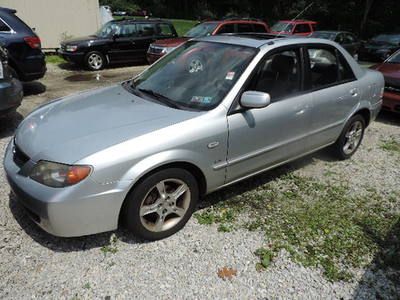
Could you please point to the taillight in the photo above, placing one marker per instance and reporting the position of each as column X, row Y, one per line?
column 33, row 42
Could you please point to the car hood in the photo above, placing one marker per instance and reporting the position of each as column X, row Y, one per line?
column 80, row 40
column 379, row 45
column 390, row 71
column 75, row 127
column 171, row 42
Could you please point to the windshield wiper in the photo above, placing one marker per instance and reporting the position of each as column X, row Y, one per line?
column 161, row 98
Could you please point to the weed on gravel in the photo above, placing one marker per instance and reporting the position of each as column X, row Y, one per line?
column 390, row 145
column 319, row 224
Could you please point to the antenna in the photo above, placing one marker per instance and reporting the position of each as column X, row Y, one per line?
column 296, row 17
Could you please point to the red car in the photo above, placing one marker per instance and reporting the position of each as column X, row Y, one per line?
column 390, row 68
column 298, row 27
column 161, row 47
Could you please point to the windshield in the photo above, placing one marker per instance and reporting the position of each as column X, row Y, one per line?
column 108, row 29
column 197, row 75
column 282, row 26
column 324, row 35
column 202, row 29
column 387, row 38
column 395, row 58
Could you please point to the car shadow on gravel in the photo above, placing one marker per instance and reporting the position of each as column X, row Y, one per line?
column 381, row 279
column 60, row 244
column 73, row 67
column 34, row 88
column 9, row 123
column 389, row 118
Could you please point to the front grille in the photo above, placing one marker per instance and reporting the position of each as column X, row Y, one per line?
column 155, row 50
column 20, row 158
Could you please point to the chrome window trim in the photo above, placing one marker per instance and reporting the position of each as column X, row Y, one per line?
column 12, row 31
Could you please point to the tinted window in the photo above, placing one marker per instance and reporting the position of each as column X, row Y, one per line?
column 127, row 30
column 4, row 27
column 279, row 75
column 340, row 38
column 164, row 30
column 145, row 29
column 282, row 26
column 203, row 29
column 259, row 28
column 245, row 28
column 227, row 28
column 325, row 69
column 302, row 28
column 349, row 39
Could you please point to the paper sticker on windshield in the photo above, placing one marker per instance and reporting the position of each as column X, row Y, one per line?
column 201, row 100
column 230, row 76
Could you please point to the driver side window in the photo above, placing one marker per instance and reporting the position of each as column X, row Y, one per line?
column 279, row 75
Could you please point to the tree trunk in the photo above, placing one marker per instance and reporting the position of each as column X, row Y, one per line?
column 367, row 9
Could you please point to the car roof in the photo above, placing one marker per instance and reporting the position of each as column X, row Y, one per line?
column 133, row 20
column 236, row 21
column 298, row 21
column 7, row 10
column 259, row 40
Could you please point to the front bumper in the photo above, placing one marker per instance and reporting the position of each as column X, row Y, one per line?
column 11, row 94
column 82, row 209
column 152, row 58
column 391, row 101
column 73, row 57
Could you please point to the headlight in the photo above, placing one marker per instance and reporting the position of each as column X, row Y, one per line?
column 167, row 50
column 71, row 48
column 59, row 175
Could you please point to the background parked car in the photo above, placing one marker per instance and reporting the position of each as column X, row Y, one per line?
column 348, row 40
column 160, row 48
column 391, row 71
column 116, row 42
column 380, row 47
column 298, row 27
column 11, row 91
column 25, row 57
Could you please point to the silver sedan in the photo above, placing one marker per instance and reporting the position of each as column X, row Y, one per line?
column 212, row 112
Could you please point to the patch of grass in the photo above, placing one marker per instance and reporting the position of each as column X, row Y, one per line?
column 86, row 286
column 390, row 145
column 111, row 247
column 55, row 59
column 319, row 224
column 266, row 256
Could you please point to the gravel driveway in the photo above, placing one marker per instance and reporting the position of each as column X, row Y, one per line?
column 114, row 265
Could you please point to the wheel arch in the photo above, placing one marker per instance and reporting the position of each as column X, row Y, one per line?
column 366, row 114
column 188, row 166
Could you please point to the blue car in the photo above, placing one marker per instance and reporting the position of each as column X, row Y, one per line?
column 11, row 91
column 25, row 57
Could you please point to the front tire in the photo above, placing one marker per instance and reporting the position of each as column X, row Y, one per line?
column 350, row 138
column 95, row 61
column 161, row 204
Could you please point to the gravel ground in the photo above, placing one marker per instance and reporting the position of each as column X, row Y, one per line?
column 112, row 265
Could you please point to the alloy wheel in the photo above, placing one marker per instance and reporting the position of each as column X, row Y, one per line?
column 353, row 137
column 95, row 61
column 165, row 204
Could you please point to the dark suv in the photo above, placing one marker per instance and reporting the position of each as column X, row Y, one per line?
column 116, row 42
column 10, row 88
column 25, row 57
column 162, row 47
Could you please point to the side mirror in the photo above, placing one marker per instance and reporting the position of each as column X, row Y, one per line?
column 254, row 99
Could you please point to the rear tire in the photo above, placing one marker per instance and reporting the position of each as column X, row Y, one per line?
column 161, row 204
column 350, row 138
column 95, row 61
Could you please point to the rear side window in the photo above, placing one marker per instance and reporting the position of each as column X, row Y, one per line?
column 259, row 28
column 328, row 67
column 127, row 30
column 245, row 27
column 164, row 30
column 302, row 28
column 4, row 27
column 227, row 28
column 145, row 29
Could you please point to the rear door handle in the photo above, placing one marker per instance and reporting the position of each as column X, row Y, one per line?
column 354, row 92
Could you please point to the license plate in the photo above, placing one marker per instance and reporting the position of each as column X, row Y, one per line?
column 1, row 71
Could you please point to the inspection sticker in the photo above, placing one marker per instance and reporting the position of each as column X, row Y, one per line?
column 230, row 75
column 201, row 99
